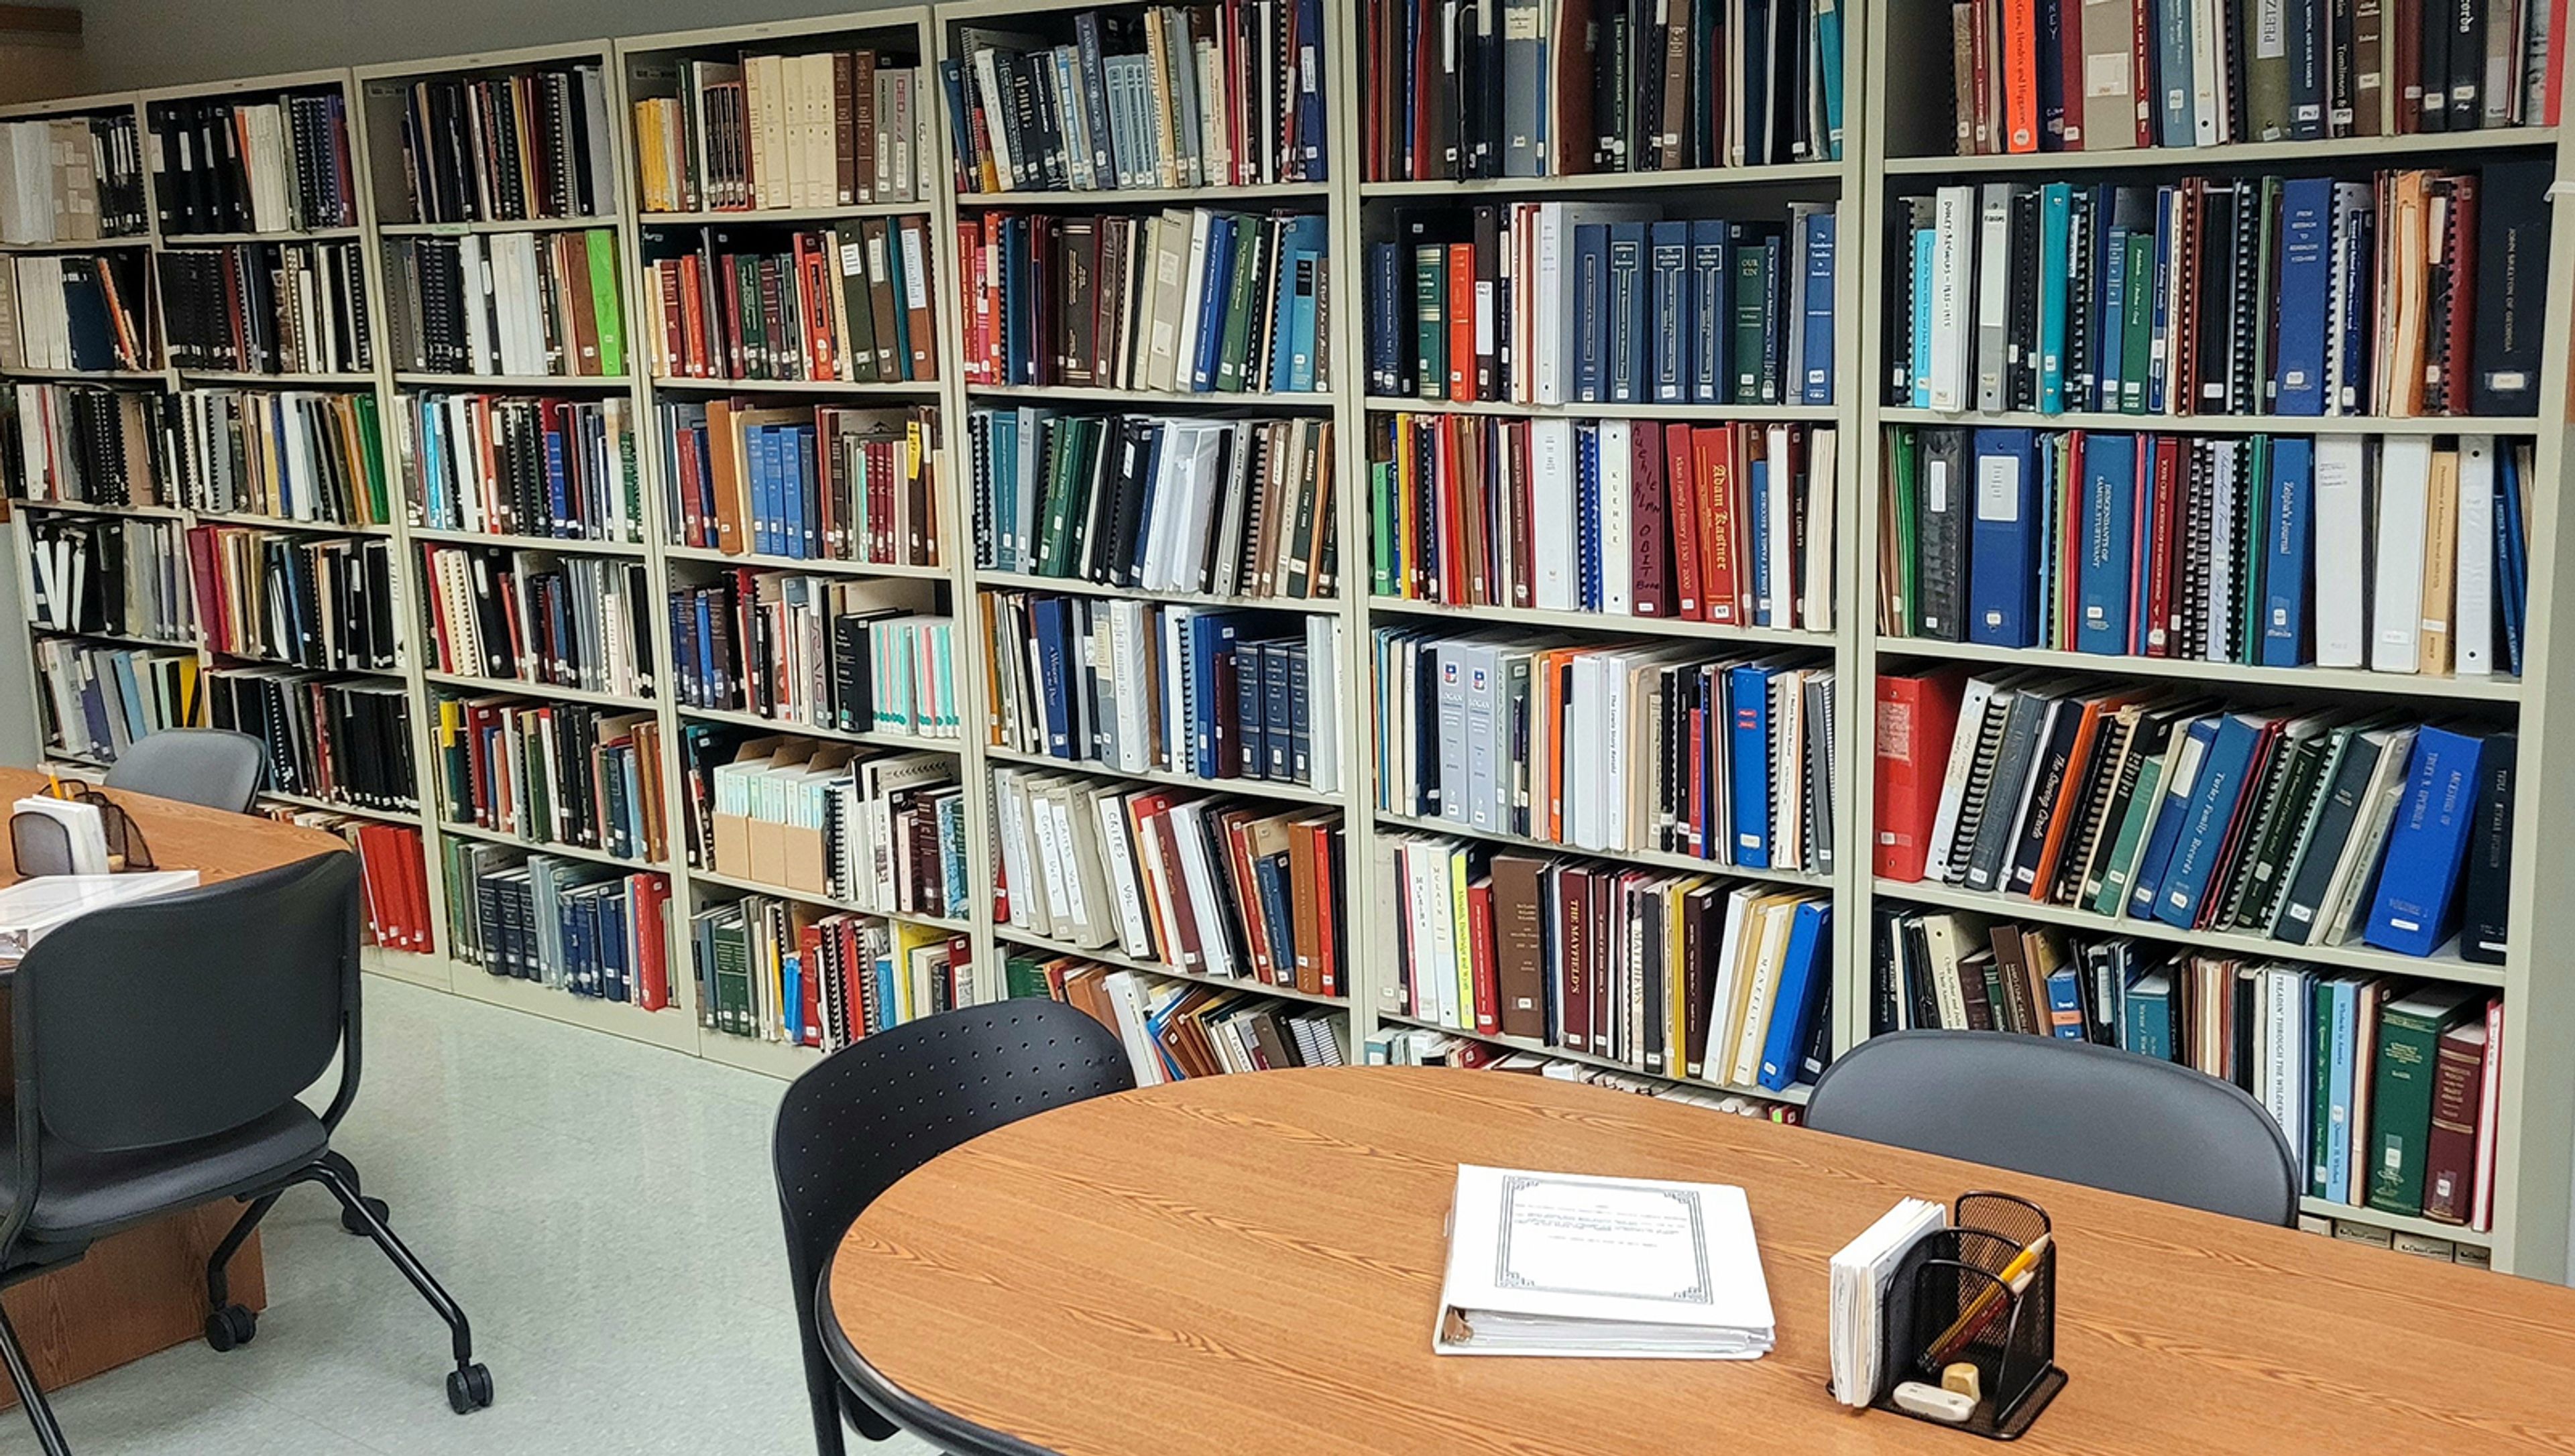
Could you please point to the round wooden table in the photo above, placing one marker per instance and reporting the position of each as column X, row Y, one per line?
column 1244, row 1264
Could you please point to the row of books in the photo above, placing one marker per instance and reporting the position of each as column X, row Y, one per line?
column 1175, row 1030
column 1141, row 688
column 268, row 308
column 98, row 700
column 1725, row 524
column 587, row 930
column 1677, row 975
column 295, row 455
column 1228, row 508
column 509, row 148
column 239, row 166
column 328, row 739
column 780, row 970
column 881, row 832
column 808, row 483
column 104, row 576
column 552, row 773
column 2384, row 1087
column 72, row 180
column 2223, row 296
column 1205, row 884
column 1169, row 96
column 86, row 444
column 2054, row 76
column 580, row 622
column 1667, row 749
column 518, row 465
column 1543, row 88
column 843, row 128
column 1183, row 301
column 393, row 874
column 2310, row 829
column 850, row 302
column 844, row 655
column 2407, row 554
column 1591, row 301
column 521, row 304
column 72, row 312
column 304, row 600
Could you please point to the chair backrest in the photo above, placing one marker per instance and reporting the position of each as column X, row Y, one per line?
column 180, row 1017
column 876, row 1110
column 216, row 767
column 2064, row 1109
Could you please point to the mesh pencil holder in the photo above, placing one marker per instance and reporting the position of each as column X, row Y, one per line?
column 1950, row 1286
column 40, row 844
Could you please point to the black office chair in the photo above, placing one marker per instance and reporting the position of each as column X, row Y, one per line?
column 216, row 767
column 160, row 1047
column 2064, row 1109
column 873, row 1112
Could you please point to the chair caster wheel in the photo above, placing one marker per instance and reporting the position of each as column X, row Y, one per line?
column 469, row 1389
column 230, row 1327
column 351, row 1223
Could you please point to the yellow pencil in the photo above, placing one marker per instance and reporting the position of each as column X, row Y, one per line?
column 1980, row 1310
column 56, row 779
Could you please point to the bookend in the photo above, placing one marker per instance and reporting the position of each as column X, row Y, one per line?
column 1940, row 1278
column 40, row 844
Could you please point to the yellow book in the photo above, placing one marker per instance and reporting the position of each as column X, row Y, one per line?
column 2440, row 563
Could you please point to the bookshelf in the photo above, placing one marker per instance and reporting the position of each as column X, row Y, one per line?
column 1897, row 142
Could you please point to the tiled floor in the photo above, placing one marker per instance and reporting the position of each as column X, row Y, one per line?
column 604, row 1212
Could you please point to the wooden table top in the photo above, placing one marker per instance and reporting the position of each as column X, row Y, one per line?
column 1252, row 1264
column 217, row 845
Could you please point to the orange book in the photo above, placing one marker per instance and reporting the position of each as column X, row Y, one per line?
column 2020, row 78
column 1461, row 322
column 2068, row 807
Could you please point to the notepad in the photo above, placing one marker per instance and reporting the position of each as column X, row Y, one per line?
column 32, row 909
column 1860, row 1277
column 1568, row 1265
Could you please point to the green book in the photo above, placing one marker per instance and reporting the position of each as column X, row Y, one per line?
column 1751, row 318
column 2320, row 1122
column 1908, row 606
column 2142, row 802
column 371, row 435
column 746, row 318
column 2137, row 349
column 602, row 247
column 1382, row 543
column 1430, row 328
column 2400, row 1099
column 732, row 976
column 2251, row 553
column 1023, row 978
column 1055, row 537
column 537, row 790
column 1239, row 307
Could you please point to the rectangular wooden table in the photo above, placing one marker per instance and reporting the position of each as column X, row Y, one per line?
column 144, row 1290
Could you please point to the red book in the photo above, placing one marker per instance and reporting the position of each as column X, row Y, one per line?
column 808, row 985
column 1916, row 716
column 201, row 565
column 1327, row 910
column 2144, row 49
column 2069, row 28
column 2020, row 78
column 2450, row 1149
column 1574, row 913
column 652, row 943
column 1461, row 322
column 2557, row 39
column 1480, row 942
column 1523, row 504
column 1717, row 589
column 2160, row 620
column 1649, row 531
column 1681, row 465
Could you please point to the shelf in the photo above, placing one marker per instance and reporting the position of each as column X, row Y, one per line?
column 538, row 689
column 721, row 217
column 2305, row 680
column 281, row 523
column 412, row 967
column 87, row 376
column 1224, row 197
column 2457, row 1233
column 1151, row 401
column 535, row 383
column 94, row 507
column 568, row 852
column 70, row 245
column 2443, row 966
column 2220, row 424
column 120, row 638
column 335, row 670
column 1651, row 859
column 670, row 1027
column 1114, row 958
column 339, row 379
column 528, row 543
column 1245, row 788
column 1601, row 622
column 713, row 556
column 954, row 925
column 897, row 388
column 1605, row 410
column 1795, row 1095
column 1678, row 177
column 528, row 225
column 757, row 1055
column 222, row 240
column 408, row 816
column 906, row 742
column 2358, row 150
column 1022, row 581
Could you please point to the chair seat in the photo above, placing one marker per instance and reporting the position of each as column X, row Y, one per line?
column 87, row 1195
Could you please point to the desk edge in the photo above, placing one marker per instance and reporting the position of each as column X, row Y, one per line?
column 949, row 1432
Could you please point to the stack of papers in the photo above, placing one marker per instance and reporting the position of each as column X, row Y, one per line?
column 1563, row 1264
column 84, row 827
column 1860, row 1274
column 32, row 909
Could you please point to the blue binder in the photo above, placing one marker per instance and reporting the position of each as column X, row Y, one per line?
column 2108, row 531
column 1711, row 313
column 2416, row 906
column 2287, row 563
column 2172, row 808
column 2212, row 809
column 1674, row 341
column 1751, row 758
column 2002, row 568
column 2055, row 247
column 2306, row 287
column 1805, row 970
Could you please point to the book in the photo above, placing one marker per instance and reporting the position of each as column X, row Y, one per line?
column 105, row 576
column 237, row 165
column 803, row 483
column 523, row 145
column 267, row 308
column 307, row 455
column 563, row 621
column 506, row 304
column 335, row 741
column 1175, row 1031
column 295, row 598
column 755, row 131
column 94, row 701
column 542, row 774
column 72, row 179
column 852, row 302
column 843, row 655
column 526, row 465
